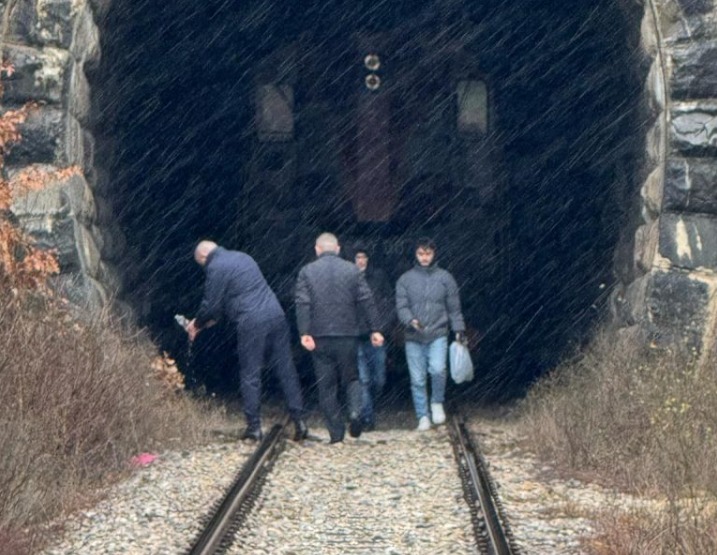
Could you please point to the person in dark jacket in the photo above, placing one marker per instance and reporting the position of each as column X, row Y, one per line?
column 428, row 303
column 372, row 359
column 236, row 289
column 331, row 295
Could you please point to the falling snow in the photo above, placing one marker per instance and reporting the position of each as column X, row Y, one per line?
column 527, row 216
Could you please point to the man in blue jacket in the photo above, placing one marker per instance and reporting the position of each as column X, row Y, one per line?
column 331, row 297
column 428, row 303
column 236, row 289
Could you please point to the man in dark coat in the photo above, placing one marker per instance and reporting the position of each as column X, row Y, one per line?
column 331, row 296
column 372, row 359
column 236, row 289
column 428, row 305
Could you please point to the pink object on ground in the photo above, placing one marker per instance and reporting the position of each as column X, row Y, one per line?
column 143, row 459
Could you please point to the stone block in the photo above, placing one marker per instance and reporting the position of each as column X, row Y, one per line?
column 89, row 252
column 694, row 70
column 85, row 47
column 654, row 143
column 43, row 135
column 39, row 75
column 689, row 240
column 655, row 88
column 78, row 97
column 627, row 303
column 81, row 290
column 651, row 192
column 646, row 241
column 693, row 130
column 678, row 308
column 688, row 21
column 53, row 214
column 55, row 22
column 41, row 22
column 691, row 185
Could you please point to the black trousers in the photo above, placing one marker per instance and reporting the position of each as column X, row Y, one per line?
column 271, row 342
column 335, row 366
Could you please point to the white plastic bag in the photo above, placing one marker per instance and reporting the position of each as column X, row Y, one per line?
column 460, row 363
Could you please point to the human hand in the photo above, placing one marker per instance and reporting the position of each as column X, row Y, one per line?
column 461, row 337
column 377, row 339
column 308, row 342
column 192, row 329
column 415, row 324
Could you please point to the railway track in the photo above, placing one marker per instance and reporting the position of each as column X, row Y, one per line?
column 354, row 522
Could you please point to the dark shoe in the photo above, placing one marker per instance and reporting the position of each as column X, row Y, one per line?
column 252, row 433
column 336, row 440
column 355, row 427
column 301, row 430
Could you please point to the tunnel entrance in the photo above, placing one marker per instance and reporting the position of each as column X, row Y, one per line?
column 511, row 134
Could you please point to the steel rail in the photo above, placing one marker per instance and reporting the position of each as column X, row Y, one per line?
column 490, row 524
column 223, row 520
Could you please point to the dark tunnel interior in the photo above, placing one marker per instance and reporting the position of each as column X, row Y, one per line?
column 510, row 132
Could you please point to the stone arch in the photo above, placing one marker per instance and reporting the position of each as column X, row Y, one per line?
column 665, row 262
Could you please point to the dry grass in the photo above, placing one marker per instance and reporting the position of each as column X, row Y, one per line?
column 77, row 400
column 643, row 420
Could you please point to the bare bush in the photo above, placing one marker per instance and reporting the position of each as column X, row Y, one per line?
column 641, row 419
column 77, row 400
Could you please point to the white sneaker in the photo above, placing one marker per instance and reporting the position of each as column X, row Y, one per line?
column 439, row 417
column 424, row 424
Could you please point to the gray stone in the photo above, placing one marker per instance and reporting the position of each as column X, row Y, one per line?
column 81, row 290
column 678, row 308
column 43, row 135
column 52, row 215
column 39, row 75
column 689, row 240
column 55, row 22
column 693, row 130
column 691, row 185
column 41, row 22
column 78, row 101
column 655, row 142
column 694, row 71
column 695, row 7
column 651, row 192
column 627, row 303
column 85, row 47
column 688, row 21
column 646, row 239
column 21, row 22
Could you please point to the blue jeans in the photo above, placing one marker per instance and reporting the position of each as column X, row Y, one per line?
column 372, row 374
column 427, row 358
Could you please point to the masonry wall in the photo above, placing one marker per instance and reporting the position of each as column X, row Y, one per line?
column 667, row 277
column 668, row 291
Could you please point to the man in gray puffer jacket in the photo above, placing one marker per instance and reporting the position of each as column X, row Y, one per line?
column 428, row 304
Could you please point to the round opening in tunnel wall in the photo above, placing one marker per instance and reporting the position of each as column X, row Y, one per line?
column 510, row 133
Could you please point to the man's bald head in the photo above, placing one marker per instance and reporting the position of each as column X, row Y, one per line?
column 327, row 242
column 203, row 250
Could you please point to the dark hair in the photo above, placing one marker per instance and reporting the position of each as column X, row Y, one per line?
column 361, row 248
column 425, row 243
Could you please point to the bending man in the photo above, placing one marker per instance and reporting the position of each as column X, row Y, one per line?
column 236, row 289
